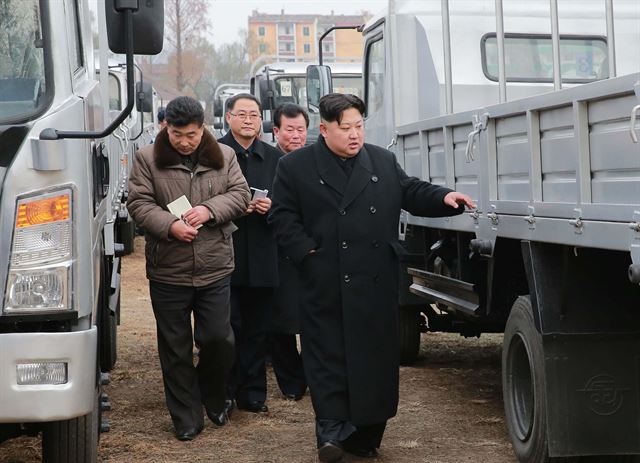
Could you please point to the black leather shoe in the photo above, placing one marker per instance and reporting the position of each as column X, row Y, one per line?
column 330, row 452
column 220, row 419
column 254, row 407
column 362, row 453
column 292, row 397
column 187, row 434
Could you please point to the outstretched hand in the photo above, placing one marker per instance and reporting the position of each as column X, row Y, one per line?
column 455, row 199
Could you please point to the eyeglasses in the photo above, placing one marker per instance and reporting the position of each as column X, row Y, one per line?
column 243, row 116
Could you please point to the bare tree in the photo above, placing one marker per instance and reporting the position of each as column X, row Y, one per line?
column 186, row 21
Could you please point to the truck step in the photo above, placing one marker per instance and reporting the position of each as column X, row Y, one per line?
column 458, row 295
column 104, row 425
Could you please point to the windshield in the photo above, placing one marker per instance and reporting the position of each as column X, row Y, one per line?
column 290, row 89
column 22, row 73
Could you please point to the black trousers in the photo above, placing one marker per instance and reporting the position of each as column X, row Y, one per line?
column 250, row 315
column 287, row 364
column 187, row 387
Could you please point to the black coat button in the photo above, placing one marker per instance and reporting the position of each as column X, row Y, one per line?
column 321, row 182
column 375, row 244
column 344, row 245
column 372, row 210
column 374, row 178
column 342, row 212
column 347, row 278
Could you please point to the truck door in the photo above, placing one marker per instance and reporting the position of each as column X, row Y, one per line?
column 379, row 127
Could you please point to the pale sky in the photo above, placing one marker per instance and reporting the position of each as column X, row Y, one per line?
column 229, row 16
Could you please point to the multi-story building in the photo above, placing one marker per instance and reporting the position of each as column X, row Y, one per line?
column 294, row 37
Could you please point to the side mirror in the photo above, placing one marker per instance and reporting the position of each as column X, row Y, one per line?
column 148, row 25
column 144, row 97
column 267, row 126
column 319, row 84
column 267, row 94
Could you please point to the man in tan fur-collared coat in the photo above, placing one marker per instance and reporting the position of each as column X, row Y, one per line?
column 190, row 260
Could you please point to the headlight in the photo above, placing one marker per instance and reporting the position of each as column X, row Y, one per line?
column 41, row 254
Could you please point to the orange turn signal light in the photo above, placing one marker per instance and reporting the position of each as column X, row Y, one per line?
column 41, row 211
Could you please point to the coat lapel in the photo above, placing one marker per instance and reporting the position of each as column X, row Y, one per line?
column 329, row 171
column 359, row 179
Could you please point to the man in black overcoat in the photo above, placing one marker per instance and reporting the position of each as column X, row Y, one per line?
column 290, row 123
column 336, row 206
column 256, row 256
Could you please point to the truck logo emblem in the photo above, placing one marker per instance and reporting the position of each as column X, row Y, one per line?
column 604, row 394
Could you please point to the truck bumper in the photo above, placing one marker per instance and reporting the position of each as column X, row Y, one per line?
column 37, row 403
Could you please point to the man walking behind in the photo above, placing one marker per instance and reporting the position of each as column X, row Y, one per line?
column 256, row 256
column 290, row 123
column 336, row 207
column 189, row 259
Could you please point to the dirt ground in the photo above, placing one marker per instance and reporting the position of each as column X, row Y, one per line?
column 450, row 405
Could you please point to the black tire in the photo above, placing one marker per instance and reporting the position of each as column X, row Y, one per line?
column 74, row 440
column 409, row 334
column 523, row 385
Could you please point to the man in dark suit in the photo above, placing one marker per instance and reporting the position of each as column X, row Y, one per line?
column 290, row 123
column 336, row 206
column 255, row 253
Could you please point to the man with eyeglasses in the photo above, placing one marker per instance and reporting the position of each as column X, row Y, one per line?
column 255, row 253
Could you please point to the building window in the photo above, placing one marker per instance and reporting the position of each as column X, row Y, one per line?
column 307, row 48
column 305, row 31
column 261, row 31
column 262, row 48
column 285, row 29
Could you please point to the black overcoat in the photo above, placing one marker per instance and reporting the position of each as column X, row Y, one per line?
column 254, row 246
column 349, row 310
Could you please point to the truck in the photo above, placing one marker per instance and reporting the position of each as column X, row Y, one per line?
column 285, row 82
column 532, row 109
column 62, row 187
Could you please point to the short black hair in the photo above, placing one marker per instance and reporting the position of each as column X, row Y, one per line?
column 161, row 111
column 334, row 104
column 231, row 102
column 184, row 110
column 290, row 110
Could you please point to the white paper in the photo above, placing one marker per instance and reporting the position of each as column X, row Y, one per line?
column 179, row 207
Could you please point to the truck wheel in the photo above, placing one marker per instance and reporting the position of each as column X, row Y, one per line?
column 523, row 385
column 409, row 327
column 72, row 441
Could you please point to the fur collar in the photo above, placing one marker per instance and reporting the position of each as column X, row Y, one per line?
column 209, row 152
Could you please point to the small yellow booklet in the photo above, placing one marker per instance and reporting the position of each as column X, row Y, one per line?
column 179, row 207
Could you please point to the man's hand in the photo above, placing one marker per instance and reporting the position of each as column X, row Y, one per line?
column 196, row 216
column 262, row 205
column 454, row 199
column 183, row 232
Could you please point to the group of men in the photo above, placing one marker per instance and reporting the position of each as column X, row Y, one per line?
column 278, row 241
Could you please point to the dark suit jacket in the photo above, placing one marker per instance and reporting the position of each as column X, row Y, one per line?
column 255, row 250
column 349, row 287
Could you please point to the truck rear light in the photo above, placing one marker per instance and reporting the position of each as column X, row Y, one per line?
column 42, row 373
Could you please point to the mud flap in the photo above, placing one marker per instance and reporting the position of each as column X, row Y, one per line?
column 592, row 384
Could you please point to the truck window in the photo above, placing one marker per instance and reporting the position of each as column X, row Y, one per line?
column 347, row 84
column 374, row 75
column 529, row 58
column 115, row 102
column 23, row 86
column 75, row 38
